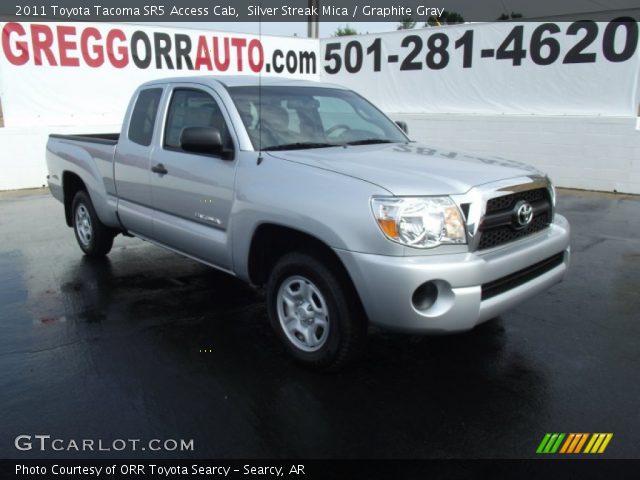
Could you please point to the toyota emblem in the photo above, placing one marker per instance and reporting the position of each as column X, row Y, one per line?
column 524, row 214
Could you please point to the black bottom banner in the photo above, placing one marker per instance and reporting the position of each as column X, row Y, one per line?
column 318, row 469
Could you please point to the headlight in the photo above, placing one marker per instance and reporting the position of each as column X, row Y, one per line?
column 420, row 222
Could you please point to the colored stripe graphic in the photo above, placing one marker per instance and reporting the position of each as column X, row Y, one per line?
column 605, row 443
column 581, row 442
column 544, row 441
column 553, row 443
column 556, row 445
column 550, row 443
column 576, row 439
column 567, row 442
column 598, row 443
column 591, row 442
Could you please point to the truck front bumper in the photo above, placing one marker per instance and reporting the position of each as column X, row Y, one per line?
column 451, row 293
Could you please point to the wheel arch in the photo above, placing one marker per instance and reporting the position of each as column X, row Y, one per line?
column 271, row 241
column 71, row 185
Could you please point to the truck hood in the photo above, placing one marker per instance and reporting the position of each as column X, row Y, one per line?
column 410, row 168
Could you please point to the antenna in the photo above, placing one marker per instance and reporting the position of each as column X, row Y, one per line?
column 259, row 161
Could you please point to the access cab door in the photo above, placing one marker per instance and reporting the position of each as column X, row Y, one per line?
column 191, row 192
column 132, row 161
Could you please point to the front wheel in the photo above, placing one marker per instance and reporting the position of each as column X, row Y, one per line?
column 315, row 312
column 95, row 238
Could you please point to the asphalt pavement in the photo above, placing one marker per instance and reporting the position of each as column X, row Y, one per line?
column 149, row 345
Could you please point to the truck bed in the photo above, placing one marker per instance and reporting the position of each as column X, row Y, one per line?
column 89, row 157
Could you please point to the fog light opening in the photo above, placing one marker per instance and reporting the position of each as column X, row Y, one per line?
column 425, row 296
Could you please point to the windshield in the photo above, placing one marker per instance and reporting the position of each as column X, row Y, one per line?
column 288, row 118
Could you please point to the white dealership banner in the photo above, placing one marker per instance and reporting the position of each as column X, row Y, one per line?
column 562, row 68
column 80, row 74
column 84, row 73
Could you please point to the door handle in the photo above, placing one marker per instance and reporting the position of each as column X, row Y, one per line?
column 159, row 168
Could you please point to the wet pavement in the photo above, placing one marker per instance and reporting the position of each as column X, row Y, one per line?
column 114, row 349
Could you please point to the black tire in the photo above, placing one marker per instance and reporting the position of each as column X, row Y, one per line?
column 94, row 238
column 327, row 284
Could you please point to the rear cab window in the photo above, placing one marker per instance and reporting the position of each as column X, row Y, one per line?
column 143, row 117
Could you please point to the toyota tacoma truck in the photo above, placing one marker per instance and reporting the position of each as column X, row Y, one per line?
column 310, row 191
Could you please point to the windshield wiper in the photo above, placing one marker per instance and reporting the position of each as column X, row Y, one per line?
column 368, row 141
column 300, row 146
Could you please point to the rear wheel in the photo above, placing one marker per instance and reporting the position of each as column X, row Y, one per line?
column 314, row 311
column 95, row 238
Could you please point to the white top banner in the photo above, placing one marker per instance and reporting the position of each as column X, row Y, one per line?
column 84, row 73
column 580, row 68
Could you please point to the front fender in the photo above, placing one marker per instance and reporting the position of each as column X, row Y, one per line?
column 331, row 207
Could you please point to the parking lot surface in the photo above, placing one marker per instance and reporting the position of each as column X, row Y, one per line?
column 149, row 345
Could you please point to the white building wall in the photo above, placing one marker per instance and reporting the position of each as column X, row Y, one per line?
column 22, row 153
column 594, row 153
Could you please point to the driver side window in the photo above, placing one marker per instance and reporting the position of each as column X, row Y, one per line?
column 193, row 108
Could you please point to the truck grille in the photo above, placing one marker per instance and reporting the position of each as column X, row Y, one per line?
column 506, row 202
column 500, row 225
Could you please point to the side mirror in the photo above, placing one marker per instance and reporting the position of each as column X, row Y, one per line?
column 201, row 140
column 403, row 126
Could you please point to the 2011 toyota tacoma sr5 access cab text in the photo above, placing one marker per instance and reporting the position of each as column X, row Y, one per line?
column 308, row 189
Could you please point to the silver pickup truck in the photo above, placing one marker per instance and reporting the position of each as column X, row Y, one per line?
column 309, row 190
